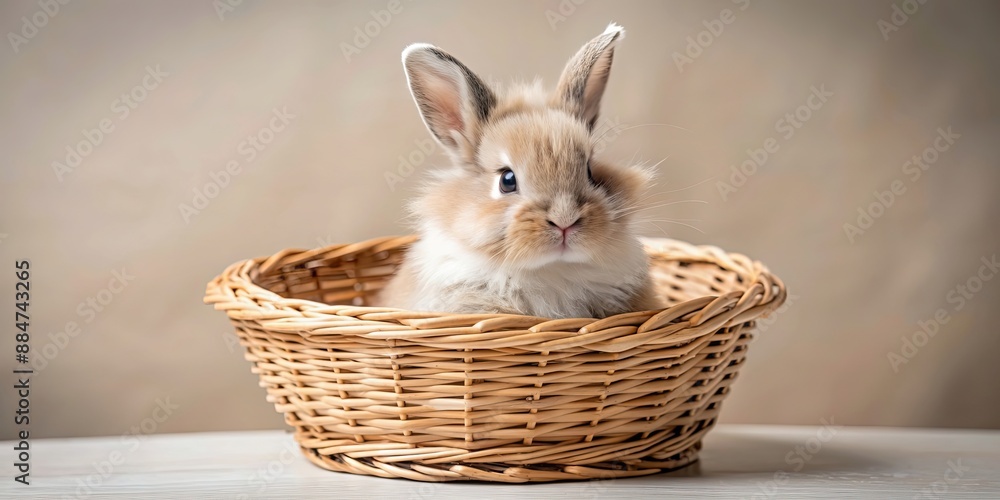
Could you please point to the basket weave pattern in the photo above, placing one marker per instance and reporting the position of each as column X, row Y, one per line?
column 436, row 397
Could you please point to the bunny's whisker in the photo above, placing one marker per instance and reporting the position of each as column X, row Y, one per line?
column 671, row 221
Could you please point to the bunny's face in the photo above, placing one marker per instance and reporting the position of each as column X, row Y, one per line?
column 525, row 189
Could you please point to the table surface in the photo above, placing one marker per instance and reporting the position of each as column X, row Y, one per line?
column 738, row 461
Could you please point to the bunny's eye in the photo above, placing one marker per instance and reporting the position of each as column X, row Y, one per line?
column 590, row 174
column 508, row 183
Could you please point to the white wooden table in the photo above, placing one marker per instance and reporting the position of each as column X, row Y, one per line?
column 738, row 461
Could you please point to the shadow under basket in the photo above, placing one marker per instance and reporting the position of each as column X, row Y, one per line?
column 493, row 397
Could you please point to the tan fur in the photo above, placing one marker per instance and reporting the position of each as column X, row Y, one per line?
column 483, row 251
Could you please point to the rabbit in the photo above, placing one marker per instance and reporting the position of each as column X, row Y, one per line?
column 526, row 220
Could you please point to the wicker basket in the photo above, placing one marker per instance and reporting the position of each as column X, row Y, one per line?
column 438, row 397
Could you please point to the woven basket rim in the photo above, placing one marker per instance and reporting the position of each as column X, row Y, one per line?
column 236, row 292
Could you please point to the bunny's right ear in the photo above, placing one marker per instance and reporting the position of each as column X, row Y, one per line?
column 453, row 101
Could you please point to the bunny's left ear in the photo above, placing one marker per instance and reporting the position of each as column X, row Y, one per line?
column 583, row 80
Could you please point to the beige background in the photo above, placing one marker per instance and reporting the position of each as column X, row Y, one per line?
column 322, row 180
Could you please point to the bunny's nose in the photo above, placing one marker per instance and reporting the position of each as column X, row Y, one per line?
column 565, row 228
column 564, row 214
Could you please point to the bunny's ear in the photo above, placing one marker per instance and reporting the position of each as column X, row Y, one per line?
column 582, row 82
column 452, row 100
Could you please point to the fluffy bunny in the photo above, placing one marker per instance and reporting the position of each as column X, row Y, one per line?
column 526, row 220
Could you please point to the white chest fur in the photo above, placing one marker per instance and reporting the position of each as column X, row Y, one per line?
column 449, row 277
